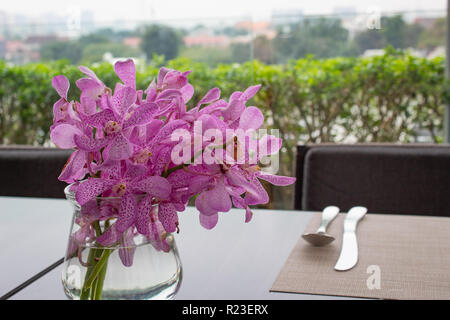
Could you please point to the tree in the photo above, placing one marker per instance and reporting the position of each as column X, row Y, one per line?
column 70, row 50
column 263, row 49
column 370, row 39
column 394, row 32
column 160, row 40
column 320, row 37
column 95, row 52
column 434, row 36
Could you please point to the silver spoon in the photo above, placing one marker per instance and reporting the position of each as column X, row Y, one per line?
column 321, row 238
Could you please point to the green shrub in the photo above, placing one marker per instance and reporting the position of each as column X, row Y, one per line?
column 377, row 99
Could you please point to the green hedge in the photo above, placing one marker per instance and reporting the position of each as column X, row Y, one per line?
column 377, row 99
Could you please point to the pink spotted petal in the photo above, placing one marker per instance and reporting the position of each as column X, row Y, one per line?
column 211, row 96
column 89, row 73
column 110, row 236
column 143, row 215
column 168, row 129
column 174, row 80
column 122, row 99
column 234, row 110
column 88, row 144
column 161, row 75
column 277, row 180
column 153, row 128
column 134, row 171
column 202, row 204
column 90, row 88
column 63, row 135
column 199, row 183
column 154, row 185
column 187, row 92
column 88, row 106
column 60, row 110
column 141, row 115
column 128, row 248
column 120, row 148
column 208, row 221
column 250, row 92
column 268, row 145
column 218, row 198
column 127, row 212
column 74, row 168
column 100, row 119
column 248, row 214
column 168, row 216
column 260, row 197
column 92, row 188
column 251, row 119
column 214, row 107
column 169, row 94
column 61, row 85
column 126, row 71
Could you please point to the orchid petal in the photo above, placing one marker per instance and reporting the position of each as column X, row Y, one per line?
column 63, row 135
column 73, row 169
column 109, row 237
column 154, row 185
column 211, row 96
column 127, row 212
column 251, row 119
column 250, row 92
column 143, row 215
column 91, row 188
column 120, row 148
column 248, row 214
column 126, row 71
column 61, row 85
column 141, row 115
column 168, row 216
column 123, row 98
column 88, row 144
column 187, row 92
column 277, row 180
column 100, row 119
column 127, row 250
column 90, row 88
column 208, row 221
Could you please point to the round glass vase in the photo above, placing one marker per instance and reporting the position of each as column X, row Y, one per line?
column 138, row 268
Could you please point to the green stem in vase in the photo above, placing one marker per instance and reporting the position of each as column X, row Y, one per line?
column 97, row 268
column 100, row 281
column 96, row 271
column 85, row 291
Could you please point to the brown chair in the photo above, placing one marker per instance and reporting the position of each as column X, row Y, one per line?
column 385, row 178
column 32, row 171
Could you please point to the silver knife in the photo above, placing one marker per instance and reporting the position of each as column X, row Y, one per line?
column 349, row 252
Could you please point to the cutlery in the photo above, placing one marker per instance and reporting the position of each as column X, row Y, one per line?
column 321, row 238
column 349, row 252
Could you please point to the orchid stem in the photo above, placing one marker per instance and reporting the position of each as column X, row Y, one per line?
column 96, row 272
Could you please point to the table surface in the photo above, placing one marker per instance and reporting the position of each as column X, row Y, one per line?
column 235, row 260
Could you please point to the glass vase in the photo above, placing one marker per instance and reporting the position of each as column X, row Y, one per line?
column 138, row 267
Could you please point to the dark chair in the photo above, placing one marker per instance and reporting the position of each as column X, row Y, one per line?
column 385, row 178
column 32, row 171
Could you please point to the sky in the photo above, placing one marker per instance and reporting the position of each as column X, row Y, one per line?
column 108, row 11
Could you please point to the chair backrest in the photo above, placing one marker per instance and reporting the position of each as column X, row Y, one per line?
column 402, row 179
column 32, row 171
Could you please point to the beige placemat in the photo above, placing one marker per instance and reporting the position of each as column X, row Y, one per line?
column 400, row 257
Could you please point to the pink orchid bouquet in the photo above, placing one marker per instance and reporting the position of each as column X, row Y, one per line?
column 140, row 148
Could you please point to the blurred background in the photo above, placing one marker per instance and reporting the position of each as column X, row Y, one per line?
column 332, row 71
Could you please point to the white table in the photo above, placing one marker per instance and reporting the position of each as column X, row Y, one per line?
column 235, row 260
